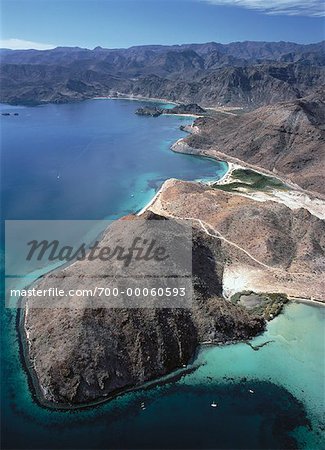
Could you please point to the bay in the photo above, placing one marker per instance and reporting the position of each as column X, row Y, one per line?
column 91, row 160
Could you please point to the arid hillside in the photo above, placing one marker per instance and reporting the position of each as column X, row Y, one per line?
column 287, row 139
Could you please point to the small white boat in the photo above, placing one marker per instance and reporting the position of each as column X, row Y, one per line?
column 214, row 404
column 251, row 391
column 143, row 405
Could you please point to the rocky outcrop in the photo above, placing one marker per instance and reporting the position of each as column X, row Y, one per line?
column 81, row 355
column 191, row 108
column 149, row 111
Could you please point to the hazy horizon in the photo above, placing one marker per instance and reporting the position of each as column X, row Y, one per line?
column 127, row 23
column 161, row 45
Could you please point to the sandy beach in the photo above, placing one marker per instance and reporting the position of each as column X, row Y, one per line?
column 227, row 178
column 154, row 198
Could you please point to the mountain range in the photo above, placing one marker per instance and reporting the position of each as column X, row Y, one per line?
column 247, row 74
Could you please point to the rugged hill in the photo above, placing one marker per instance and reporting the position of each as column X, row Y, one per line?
column 81, row 354
column 287, row 139
column 243, row 73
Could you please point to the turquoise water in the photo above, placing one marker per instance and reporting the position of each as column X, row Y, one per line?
column 102, row 152
column 293, row 359
column 178, row 412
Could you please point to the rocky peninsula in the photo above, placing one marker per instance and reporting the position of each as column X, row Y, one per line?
column 82, row 355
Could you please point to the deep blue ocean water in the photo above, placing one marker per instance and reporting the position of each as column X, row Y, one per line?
column 91, row 160
column 98, row 159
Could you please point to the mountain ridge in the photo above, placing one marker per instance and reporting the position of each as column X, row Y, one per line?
column 286, row 139
column 247, row 74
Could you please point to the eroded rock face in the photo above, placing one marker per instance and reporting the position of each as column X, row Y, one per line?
column 83, row 355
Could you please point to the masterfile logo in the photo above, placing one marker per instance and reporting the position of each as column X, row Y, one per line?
column 82, row 264
column 140, row 249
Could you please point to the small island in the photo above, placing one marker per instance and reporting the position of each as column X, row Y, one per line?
column 149, row 111
column 183, row 109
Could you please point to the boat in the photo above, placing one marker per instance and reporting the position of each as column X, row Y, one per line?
column 214, row 404
column 251, row 391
